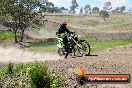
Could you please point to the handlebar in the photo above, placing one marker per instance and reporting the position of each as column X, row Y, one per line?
column 71, row 34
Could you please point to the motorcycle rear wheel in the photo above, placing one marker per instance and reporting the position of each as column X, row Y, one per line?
column 61, row 52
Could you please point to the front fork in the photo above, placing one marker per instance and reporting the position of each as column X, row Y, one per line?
column 79, row 45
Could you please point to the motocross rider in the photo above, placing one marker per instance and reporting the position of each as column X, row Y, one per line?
column 62, row 31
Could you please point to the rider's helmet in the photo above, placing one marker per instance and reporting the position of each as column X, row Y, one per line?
column 64, row 23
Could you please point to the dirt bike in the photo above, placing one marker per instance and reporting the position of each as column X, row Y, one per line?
column 74, row 45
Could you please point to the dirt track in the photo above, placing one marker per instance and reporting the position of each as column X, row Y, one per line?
column 96, row 34
column 110, row 61
column 21, row 56
column 110, row 34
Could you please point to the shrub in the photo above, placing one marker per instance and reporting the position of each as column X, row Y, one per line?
column 29, row 76
column 41, row 78
column 10, row 68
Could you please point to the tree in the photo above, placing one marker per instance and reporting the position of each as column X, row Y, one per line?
column 117, row 10
column 104, row 14
column 95, row 10
column 73, row 6
column 20, row 13
column 87, row 9
column 107, row 6
column 120, row 9
column 42, row 5
column 113, row 11
column 49, row 7
column 63, row 9
column 81, row 10
column 56, row 10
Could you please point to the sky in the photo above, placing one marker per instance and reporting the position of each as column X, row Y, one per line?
column 93, row 3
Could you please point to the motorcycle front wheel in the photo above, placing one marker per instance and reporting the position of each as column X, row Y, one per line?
column 85, row 48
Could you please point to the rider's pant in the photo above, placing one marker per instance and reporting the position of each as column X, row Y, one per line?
column 65, row 41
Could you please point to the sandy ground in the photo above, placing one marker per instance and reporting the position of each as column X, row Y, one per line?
column 16, row 55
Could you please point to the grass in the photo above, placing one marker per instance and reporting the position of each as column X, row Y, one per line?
column 43, row 48
column 104, row 44
column 6, row 35
column 2, row 71
column 119, row 21
column 17, row 68
column 96, row 45
column 49, row 45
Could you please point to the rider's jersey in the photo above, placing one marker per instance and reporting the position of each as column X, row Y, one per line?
column 62, row 29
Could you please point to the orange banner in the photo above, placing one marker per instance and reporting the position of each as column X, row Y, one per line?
column 104, row 78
